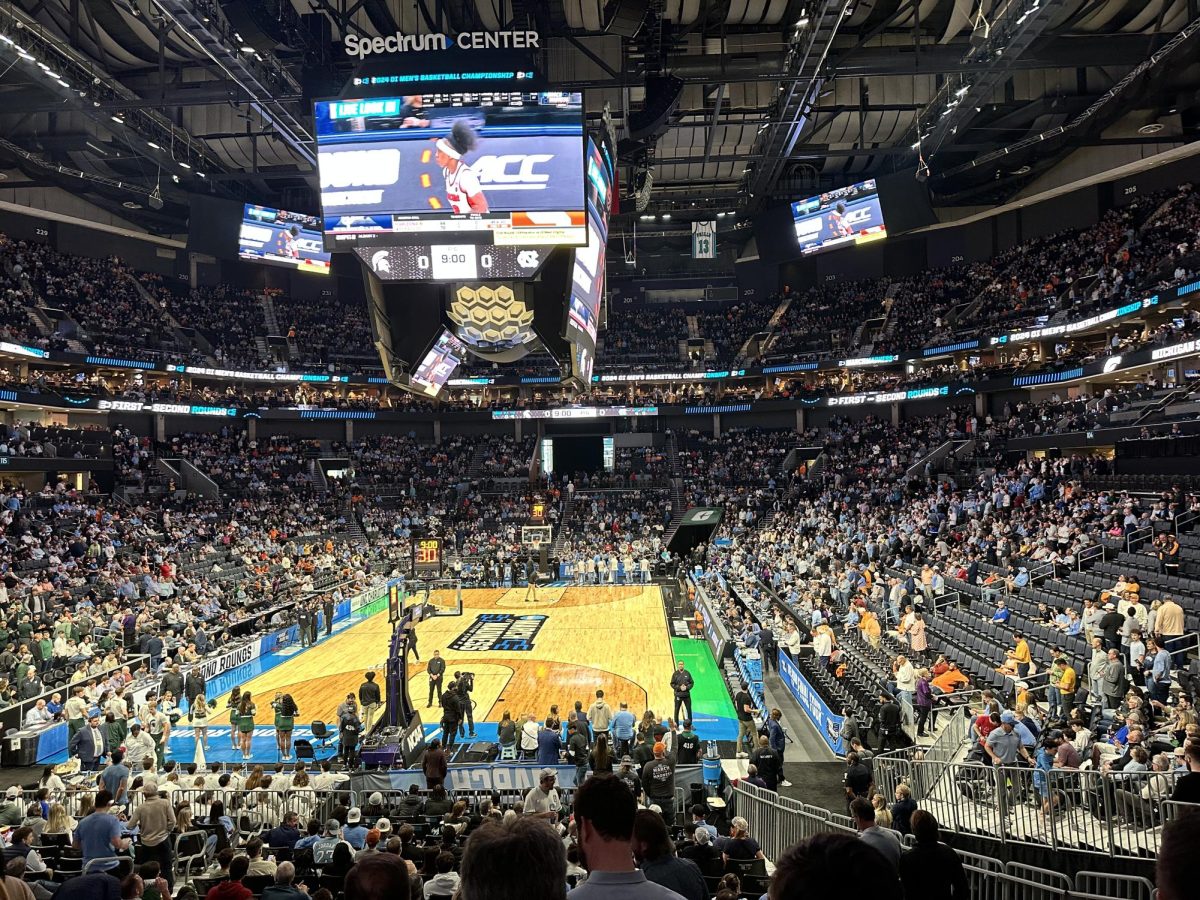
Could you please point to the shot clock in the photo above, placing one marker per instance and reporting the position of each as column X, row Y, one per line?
column 427, row 556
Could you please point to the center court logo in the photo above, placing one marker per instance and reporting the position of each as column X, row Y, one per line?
column 499, row 631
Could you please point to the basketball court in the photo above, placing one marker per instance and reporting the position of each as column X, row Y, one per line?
column 526, row 656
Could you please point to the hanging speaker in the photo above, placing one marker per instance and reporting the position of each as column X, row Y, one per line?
column 662, row 102
column 624, row 17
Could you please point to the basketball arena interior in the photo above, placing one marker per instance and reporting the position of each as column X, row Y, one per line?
column 497, row 450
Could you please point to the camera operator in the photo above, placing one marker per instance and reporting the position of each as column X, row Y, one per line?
column 451, row 713
column 466, row 684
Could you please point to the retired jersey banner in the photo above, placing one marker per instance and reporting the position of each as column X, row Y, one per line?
column 704, row 240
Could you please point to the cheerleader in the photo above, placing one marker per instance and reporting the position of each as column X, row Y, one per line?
column 235, row 699
column 198, row 713
column 245, row 719
column 285, row 718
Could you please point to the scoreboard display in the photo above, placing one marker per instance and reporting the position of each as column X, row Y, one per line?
column 427, row 556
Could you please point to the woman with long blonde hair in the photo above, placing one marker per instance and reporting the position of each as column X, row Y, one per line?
column 59, row 822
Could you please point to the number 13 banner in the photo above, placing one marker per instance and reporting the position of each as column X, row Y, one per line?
column 704, row 240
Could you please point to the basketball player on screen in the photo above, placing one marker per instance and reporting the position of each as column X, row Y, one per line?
column 290, row 248
column 463, row 191
column 837, row 221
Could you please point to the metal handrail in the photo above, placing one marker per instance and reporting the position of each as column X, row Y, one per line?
column 1086, row 554
column 1138, row 536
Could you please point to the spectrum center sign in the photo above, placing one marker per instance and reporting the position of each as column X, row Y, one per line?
column 361, row 47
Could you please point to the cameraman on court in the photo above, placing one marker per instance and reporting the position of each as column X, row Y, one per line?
column 466, row 684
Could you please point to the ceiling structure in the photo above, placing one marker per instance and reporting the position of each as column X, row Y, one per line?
column 135, row 103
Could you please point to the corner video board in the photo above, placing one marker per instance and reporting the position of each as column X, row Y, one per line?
column 280, row 238
column 439, row 364
column 845, row 217
column 501, row 168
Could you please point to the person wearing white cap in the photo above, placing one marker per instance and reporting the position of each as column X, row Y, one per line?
column 463, row 191
column 542, row 801
column 355, row 833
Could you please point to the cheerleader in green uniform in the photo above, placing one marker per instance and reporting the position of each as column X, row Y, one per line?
column 235, row 699
column 245, row 723
column 285, row 718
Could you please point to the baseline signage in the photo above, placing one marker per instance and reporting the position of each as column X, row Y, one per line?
column 829, row 725
column 510, row 779
column 237, row 656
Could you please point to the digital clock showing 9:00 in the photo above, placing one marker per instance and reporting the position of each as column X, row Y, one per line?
column 427, row 555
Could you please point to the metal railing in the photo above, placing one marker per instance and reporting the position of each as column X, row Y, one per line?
column 1061, row 809
column 1137, row 537
column 778, row 823
column 1087, row 554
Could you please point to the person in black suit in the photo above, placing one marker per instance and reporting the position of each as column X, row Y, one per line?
column 89, row 743
column 328, row 610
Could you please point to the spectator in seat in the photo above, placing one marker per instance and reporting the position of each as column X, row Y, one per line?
column 355, row 833
column 740, row 845
column 379, row 877
column 1187, row 788
column 284, row 887
column 655, row 854
column 286, row 833
column 438, row 803
column 1178, row 867
column 445, row 882
column 605, row 810
column 931, row 870
column 258, row 864
column 530, row 855
column 903, row 809
column 820, row 866
column 232, row 888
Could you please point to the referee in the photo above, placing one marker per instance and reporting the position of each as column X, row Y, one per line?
column 682, row 684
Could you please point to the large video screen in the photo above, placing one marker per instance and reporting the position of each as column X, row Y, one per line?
column 282, row 238
column 599, row 178
column 847, row 216
column 487, row 168
column 439, row 364
column 587, row 283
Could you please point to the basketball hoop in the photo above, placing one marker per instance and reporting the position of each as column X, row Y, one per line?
column 536, row 536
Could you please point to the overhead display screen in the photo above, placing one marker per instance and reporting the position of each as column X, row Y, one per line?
column 587, row 282
column 451, row 262
column 282, row 238
column 439, row 364
column 847, row 216
column 502, row 168
column 599, row 178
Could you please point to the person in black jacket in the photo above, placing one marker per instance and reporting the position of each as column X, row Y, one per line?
column 370, row 699
column 931, row 870
column 655, row 854
column 436, row 670
column 451, row 714
column 766, row 760
column 891, row 735
column 1110, row 624
column 858, row 777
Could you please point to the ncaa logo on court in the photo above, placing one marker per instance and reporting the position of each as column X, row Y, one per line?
column 499, row 631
